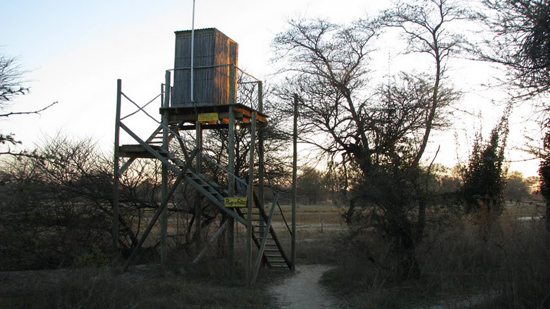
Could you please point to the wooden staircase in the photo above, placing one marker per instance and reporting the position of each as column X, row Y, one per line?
column 269, row 247
column 273, row 254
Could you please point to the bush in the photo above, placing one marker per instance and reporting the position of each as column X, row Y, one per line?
column 511, row 269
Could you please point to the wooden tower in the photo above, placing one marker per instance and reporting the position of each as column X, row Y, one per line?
column 199, row 94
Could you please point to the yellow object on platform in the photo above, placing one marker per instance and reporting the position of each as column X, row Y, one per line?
column 239, row 201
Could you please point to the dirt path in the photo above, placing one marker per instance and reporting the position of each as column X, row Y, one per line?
column 303, row 290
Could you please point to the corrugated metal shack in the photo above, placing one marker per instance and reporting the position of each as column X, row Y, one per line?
column 214, row 52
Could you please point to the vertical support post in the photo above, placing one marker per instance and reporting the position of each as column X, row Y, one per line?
column 261, row 166
column 294, row 183
column 116, row 175
column 232, row 83
column 198, row 197
column 198, row 167
column 231, row 168
column 260, row 96
column 231, row 190
column 261, row 162
column 250, row 199
column 164, row 188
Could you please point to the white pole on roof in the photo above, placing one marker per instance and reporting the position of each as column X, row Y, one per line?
column 192, row 51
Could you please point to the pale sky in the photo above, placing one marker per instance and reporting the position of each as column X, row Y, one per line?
column 76, row 50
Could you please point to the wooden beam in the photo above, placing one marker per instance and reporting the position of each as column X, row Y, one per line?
column 116, row 174
column 249, row 227
column 294, row 183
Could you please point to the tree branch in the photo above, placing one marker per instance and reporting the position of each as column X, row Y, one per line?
column 29, row 112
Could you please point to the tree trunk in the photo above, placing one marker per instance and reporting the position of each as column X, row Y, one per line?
column 408, row 265
column 421, row 221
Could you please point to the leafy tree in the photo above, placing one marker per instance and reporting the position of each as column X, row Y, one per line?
column 544, row 172
column 517, row 187
column 310, row 185
column 484, row 181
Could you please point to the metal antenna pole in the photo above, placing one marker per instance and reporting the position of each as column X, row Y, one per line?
column 192, row 52
column 294, row 183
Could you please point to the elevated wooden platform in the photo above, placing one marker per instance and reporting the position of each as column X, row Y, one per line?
column 211, row 115
column 185, row 118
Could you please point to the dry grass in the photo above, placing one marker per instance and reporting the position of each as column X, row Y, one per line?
column 316, row 228
column 510, row 269
column 144, row 288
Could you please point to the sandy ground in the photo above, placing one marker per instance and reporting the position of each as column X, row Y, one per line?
column 303, row 290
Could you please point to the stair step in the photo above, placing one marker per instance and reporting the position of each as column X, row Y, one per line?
column 280, row 265
column 273, row 260
column 274, row 256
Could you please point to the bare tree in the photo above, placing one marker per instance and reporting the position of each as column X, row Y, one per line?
column 375, row 138
column 521, row 42
column 11, row 86
column 329, row 63
column 54, row 210
column 10, row 79
column 55, row 207
column 427, row 25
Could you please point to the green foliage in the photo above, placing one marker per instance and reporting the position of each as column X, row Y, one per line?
column 95, row 258
column 544, row 172
column 517, row 187
column 483, row 178
column 312, row 185
column 544, row 169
